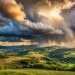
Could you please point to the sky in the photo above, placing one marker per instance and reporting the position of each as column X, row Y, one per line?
column 37, row 22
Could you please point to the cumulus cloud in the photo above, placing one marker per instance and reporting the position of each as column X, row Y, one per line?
column 50, row 20
column 12, row 9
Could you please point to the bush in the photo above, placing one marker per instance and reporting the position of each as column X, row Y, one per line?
column 41, row 66
column 2, row 56
column 73, row 68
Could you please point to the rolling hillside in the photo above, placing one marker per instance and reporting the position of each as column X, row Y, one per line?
column 61, row 54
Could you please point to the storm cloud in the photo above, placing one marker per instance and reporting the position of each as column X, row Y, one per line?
column 50, row 22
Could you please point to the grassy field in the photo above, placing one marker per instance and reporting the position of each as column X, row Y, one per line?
column 34, row 72
column 50, row 58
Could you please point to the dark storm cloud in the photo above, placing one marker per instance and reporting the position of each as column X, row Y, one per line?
column 50, row 22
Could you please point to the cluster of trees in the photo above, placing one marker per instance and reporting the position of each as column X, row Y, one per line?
column 34, row 61
column 2, row 56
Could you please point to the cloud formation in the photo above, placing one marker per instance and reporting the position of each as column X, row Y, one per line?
column 50, row 22
column 12, row 9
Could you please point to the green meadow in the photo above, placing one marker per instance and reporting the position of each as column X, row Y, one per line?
column 34, row 72
column 40, row 61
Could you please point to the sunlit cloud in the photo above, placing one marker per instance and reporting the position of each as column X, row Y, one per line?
column 49, row 22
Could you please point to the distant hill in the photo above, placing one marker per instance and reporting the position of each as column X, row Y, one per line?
column 62, row 54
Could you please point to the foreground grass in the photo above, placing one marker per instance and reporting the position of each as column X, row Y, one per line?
column 34, row 72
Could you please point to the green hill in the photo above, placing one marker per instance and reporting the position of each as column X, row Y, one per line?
column 53, row 58
column 62, row 54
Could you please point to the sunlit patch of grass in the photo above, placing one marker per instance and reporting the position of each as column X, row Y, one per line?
column 34, row 72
